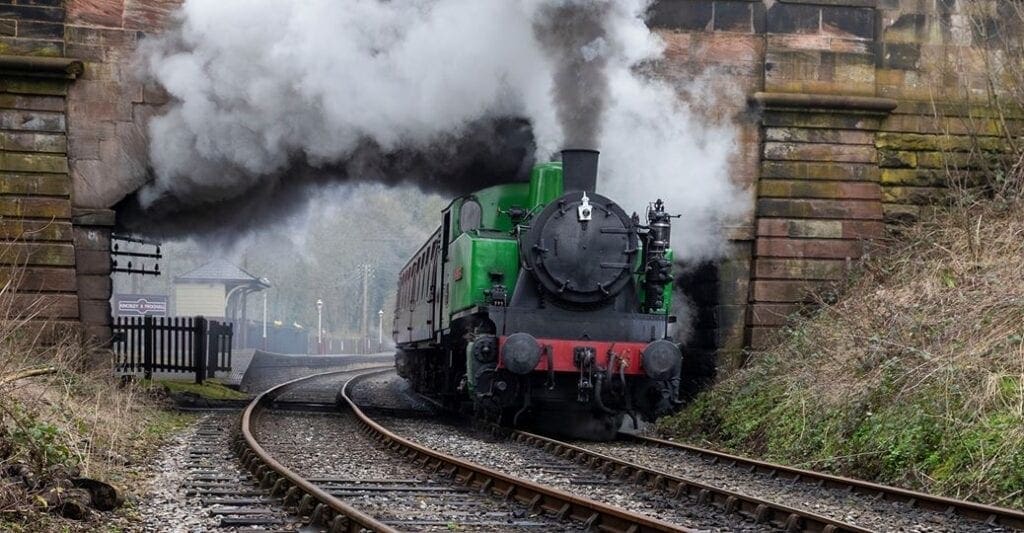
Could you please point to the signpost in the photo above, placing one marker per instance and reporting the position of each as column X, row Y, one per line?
column 140, row 305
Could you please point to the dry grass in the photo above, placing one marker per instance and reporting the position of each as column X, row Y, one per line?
column 916, row 377
column 991, row 87
column 76, row 419
column 946, row 300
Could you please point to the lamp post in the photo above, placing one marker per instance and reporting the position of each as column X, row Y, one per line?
column 265, row 282
column 380, row 329
column 320, row 326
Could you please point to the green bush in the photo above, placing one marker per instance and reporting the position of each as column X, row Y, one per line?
column 40, row 444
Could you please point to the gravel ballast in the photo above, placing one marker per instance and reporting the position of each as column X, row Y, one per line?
column 855, row 509
column 536, row 465
column 329, row 450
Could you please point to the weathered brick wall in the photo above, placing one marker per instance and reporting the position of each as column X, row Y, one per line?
column 931, row 61
column 71, row 147
column 818, row 200
column 36, row 235
column 818, row 189
column 109, row 106
column 107, row 113
column 853, row 121
column 833, row 100
column 32, row 27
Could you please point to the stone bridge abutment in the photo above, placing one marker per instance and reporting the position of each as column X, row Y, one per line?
column 847, row 115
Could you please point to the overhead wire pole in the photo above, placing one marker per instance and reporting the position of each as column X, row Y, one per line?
column 364, row 329
column 364, row 332
column 356, row 275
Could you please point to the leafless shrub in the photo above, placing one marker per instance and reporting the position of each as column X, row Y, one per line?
column 61, row 415
column 989, row 76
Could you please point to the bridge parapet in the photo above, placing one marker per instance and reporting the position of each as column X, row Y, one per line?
column 858, row 116
column 809, row 85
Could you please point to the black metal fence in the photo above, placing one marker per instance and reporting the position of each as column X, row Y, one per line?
column 172, row 344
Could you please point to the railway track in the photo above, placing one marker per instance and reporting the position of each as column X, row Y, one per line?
column 754, row 488
column 994, row 517
column 348, row 472
column 688, row 504
column 761, row 493
column 779, row 501
column 218, row 492
column 286, row 455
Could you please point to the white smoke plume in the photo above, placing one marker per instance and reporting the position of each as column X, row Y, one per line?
column 270, row 96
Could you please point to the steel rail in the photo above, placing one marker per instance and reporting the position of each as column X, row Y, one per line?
column 296, row 490
column 761, row 511
column 593, row 515
column 989, row 514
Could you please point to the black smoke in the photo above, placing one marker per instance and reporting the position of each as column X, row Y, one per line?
column 575, row 37
column 485, row 152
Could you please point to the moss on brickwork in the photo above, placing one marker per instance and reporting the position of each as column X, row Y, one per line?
column 938, row 143
column 914, row 195
column 35, row 184
column 897, row 159
column 913, row 177
column 31, row 48
column 36, row 86
column 35, row 207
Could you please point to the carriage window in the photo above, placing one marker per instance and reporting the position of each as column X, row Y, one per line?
column 423, row 275
column 430, row 271
column 446, row 229
column 412, row 282
column 419, row 277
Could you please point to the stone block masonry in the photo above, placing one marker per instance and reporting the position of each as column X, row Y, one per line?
column 857, row 124
column 846, row 111
column 817, row 202
column 32, row 28
column 108, row 154
column 72, row 144
column 37, row 244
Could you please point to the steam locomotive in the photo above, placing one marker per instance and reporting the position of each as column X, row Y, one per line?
column 543, row 305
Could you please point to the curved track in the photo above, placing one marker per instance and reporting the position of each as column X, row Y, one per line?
column 756, row 492
column 308, row 498
column 311, row 500
column 652, row 466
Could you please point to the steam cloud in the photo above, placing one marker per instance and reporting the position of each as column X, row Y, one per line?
column 272, row 98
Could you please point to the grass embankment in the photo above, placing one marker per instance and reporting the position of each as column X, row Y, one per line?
column 210, row 389
column 914, row 378
column 74, row 419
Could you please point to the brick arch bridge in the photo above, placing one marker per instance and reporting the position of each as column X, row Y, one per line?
column 837, row 135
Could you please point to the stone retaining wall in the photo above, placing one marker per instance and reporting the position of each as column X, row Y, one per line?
column 844, row 109
column 852, row 122
column 37, row 250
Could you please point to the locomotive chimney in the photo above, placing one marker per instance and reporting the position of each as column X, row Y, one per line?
column 579, row 170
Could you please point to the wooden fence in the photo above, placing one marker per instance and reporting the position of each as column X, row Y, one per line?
column 171, row 344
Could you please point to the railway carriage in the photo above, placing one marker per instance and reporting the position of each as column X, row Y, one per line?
column 542, row 304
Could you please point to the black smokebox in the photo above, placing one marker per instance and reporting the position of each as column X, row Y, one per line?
column 579, row 170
